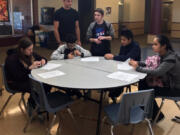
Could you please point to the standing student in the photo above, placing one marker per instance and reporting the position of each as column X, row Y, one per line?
column 66, row 21
column 100, row 33
column 129, row 49
column 168, row 70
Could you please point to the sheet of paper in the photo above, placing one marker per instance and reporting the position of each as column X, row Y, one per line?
column 90, row 59
column 51, row 74
column 50, row 66
column 122, row 76
column 124, row 66
column 127, row 61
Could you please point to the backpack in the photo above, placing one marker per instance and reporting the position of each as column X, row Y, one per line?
column 152, row 62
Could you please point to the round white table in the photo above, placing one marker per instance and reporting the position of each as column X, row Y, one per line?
column 87, row 76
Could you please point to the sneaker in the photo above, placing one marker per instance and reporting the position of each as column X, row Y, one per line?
column 176, row 119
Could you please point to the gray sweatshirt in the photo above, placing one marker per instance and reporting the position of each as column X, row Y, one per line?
column 63, row 51
column 169, row 67
column 89, row 33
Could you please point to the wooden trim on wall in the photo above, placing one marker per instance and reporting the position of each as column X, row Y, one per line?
column 175, row 30
column 175, row 26
column 136, row 27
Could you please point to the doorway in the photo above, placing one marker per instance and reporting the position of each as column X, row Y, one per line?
column 86, row 9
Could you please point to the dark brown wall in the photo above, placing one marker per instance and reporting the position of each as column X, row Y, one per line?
column 35, row 12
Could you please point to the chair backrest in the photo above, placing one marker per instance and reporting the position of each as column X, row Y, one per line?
column 38, row 93
column 141, row 99
column 5, row 80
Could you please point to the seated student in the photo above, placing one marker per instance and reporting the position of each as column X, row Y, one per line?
column 168, row 70
column 129, row 49
column 19, row 64
column 69, row 50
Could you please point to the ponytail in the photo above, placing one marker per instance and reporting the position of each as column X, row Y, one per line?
column 163, row 40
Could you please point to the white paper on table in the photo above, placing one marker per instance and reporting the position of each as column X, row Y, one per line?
column 125, row 65
column 127, row 77
column 50, row 66
column 90, row 59
column 51, row 74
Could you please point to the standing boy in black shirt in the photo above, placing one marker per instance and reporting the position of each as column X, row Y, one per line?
column 66, row 21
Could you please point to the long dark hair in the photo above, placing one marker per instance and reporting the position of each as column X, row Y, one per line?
column 164, row 41
column 24, row 43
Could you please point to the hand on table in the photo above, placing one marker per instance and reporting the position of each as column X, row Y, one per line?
column 133, row 63
column 70, row 56
column 109, row 56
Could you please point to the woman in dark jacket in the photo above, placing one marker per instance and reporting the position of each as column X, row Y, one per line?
column 168, row 70
column 19, row 64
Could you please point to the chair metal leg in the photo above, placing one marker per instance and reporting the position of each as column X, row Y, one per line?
column 176, row 118
column 59, row 126
column 176, row 102
column 162, row 103
column 105, row 94
column 75, row 122
column 21, row 106
column 7, row 101
column 112, row 127
column 150, row 127
column 52, row 123
column 103, row 121
column 24, row 103
column 30, row 119
column 128, row 88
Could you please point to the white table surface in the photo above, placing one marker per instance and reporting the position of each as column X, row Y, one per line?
column 86, row 75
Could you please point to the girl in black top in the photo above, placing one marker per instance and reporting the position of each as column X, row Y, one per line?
column 19, row 64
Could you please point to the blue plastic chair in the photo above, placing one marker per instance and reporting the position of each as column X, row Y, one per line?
column 51, row 103
column 12, row 93
column 134, row 108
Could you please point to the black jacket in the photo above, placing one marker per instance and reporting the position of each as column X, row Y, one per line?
column 15, row 71
column 131, row 51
